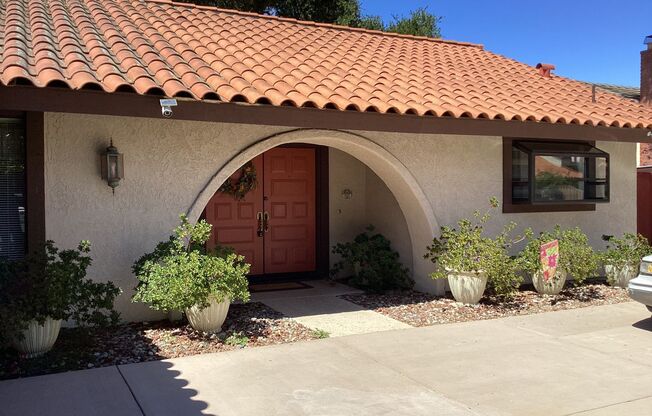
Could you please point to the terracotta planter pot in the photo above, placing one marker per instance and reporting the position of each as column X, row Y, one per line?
column 552, row 286
column 620, row 276
column 209, row 319
column 38, row 339
column 467, row 287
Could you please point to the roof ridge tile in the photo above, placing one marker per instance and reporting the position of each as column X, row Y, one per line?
column 312, row 23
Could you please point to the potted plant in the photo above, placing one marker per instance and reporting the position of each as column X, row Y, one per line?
column 180, row 275
column 375, row 264
column 623, row 256
column 576, row 259
column 469, row 259
column 39, row 292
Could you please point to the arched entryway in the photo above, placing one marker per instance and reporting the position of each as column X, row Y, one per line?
column 413, row 203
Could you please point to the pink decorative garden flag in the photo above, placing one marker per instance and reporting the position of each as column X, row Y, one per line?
column 549, row 255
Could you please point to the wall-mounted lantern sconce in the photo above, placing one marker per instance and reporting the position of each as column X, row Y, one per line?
column 113, row 170
column 347, row 193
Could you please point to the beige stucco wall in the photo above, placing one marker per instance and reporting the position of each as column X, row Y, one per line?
column 346, row 216
column 460, row 173
column 384, row 213
column 371, row 203
column 168, row 163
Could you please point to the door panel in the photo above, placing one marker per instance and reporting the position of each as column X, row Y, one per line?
column 235, row 223
column 289, row 187
column 286, row 193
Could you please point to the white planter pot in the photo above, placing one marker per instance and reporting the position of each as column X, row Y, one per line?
column 553, row 286
column 38, row 339
column 467, row 287
column 209, row 319
column 620, row 276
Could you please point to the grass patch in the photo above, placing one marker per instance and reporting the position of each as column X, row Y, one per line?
column 237, row 339
column 320, row 333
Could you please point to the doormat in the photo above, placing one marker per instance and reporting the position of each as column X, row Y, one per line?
column 273, row 287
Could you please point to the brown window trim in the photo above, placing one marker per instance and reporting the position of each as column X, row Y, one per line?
column 35, row 166
column 511, row 208
column 34, row 176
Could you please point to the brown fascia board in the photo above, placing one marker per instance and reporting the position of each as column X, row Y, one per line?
column 24, row 98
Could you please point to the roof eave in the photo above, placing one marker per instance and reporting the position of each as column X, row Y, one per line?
column 24, row 98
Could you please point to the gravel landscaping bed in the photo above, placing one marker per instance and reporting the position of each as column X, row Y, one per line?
column 422, row 309
column 247, row 325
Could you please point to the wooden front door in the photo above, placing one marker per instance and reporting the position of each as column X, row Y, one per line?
column 284, row 241
column 289, row 201
column 235, row 223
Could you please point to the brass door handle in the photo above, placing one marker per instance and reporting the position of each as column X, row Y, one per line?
column 259, row 224
column 266, row 221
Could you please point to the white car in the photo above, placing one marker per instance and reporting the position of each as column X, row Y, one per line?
column 640, row 288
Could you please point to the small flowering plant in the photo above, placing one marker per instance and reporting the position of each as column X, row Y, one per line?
column 52, row 283
column 576, row 257
column 179, row 274
column 467, row 249
column 627, row 250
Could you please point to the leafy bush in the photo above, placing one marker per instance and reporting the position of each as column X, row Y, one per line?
column 179, row 273
column 375, row 264
column 237, row 339
column 52, row 283
column 576, row 257
column 467, row 249
column 625, row 251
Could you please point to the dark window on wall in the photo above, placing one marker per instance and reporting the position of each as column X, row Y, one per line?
column 544, row 176
column 12, row 188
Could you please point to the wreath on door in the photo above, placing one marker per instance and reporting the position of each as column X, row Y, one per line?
column 246, row 183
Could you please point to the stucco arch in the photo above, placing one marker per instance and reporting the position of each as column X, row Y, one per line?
column 416, row 208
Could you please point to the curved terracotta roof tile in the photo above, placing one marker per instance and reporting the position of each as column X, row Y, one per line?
column 175, row 49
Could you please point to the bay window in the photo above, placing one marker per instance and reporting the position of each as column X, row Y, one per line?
column 554, row 176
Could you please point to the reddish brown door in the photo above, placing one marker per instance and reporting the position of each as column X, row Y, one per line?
column 289, row 203
column 285, row 196
column 235, row 223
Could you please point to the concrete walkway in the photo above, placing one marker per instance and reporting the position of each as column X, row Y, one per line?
column 320, row 308
column 592, row 362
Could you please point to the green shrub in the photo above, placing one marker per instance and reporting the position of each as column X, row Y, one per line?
column 179, row 273
column 467, row 249
column 52, row 283
column 576, row 257
column 237, row 339
column 627, row 250
column 375, row 264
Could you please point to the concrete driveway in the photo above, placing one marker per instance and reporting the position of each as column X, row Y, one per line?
column 592, row 361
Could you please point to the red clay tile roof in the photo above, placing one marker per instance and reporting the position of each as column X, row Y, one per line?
column 180, row 50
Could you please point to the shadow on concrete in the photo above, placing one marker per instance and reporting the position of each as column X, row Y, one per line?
column 112, row 387
column 645, row 324
column 84, row 348
column 161, row 390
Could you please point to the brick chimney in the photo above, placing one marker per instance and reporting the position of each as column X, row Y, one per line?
column 646, row 72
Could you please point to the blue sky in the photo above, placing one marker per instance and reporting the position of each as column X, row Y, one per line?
column 596, row 41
